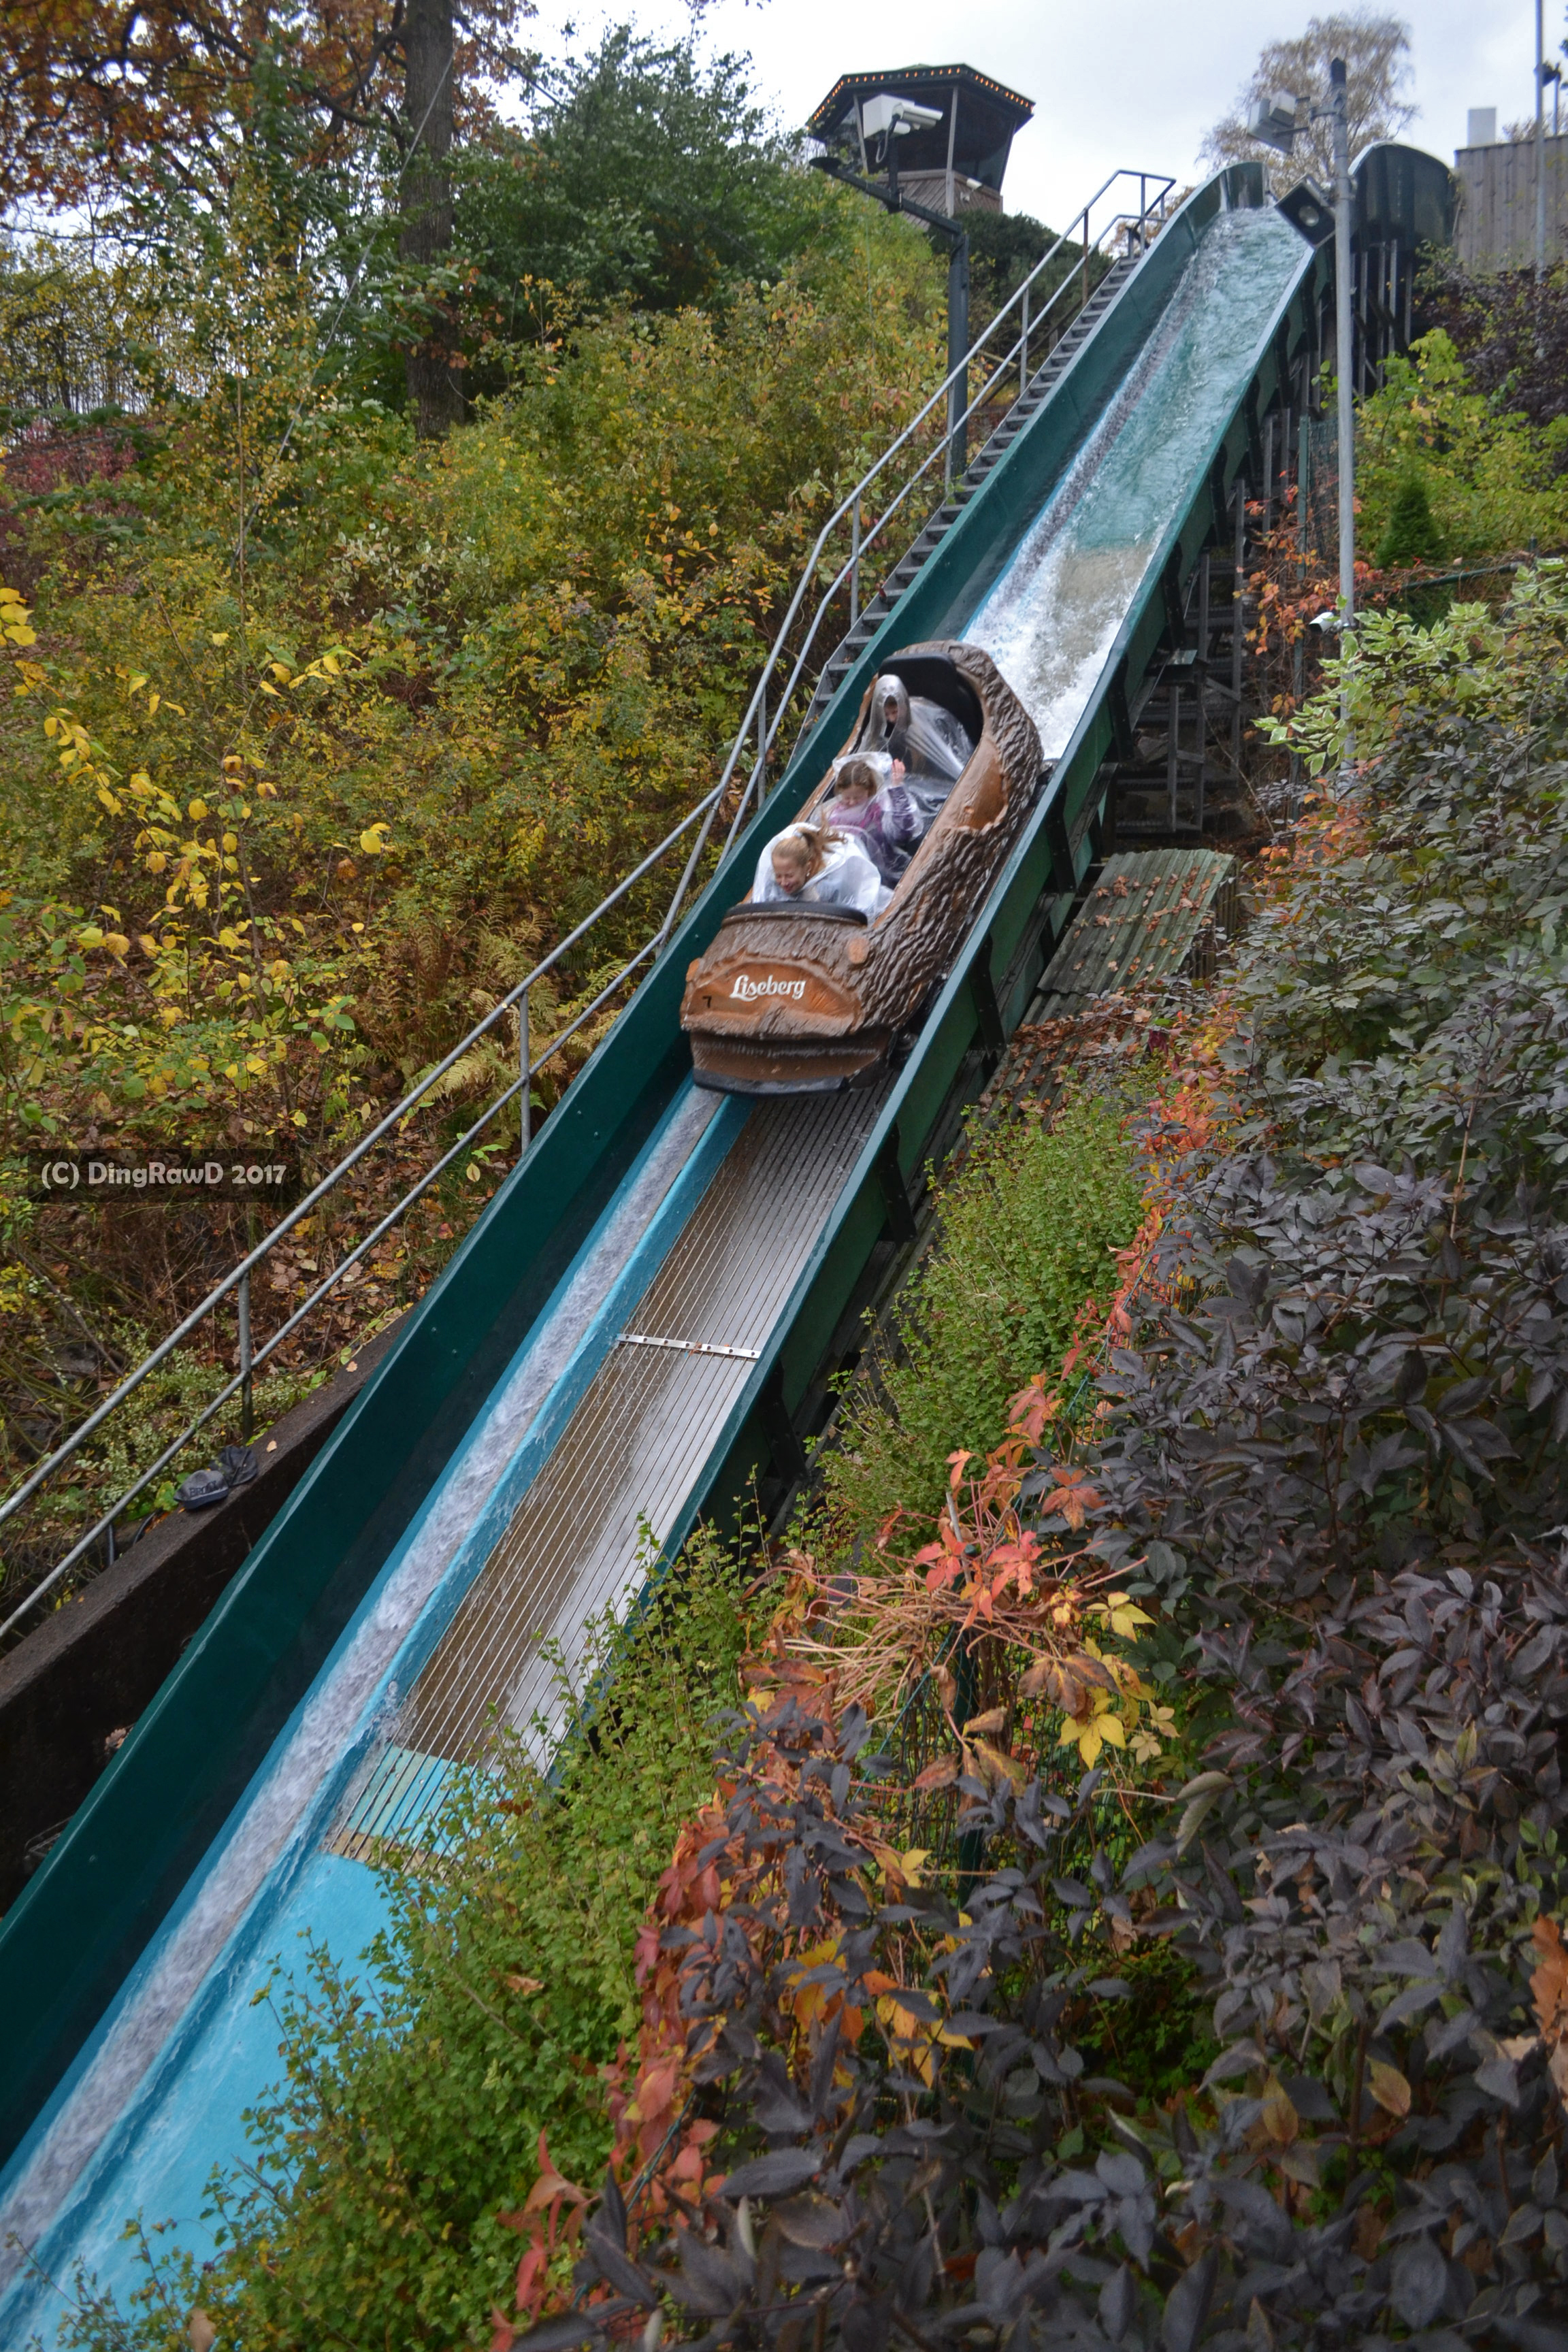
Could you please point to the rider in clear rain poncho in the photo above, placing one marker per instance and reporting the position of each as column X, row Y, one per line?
column 934, row 748
column 815, row 865
column 871, row 798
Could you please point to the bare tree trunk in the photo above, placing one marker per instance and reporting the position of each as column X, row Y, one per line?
column 425, row 235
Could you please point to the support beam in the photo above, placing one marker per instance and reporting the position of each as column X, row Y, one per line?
column 895, row 1191
column 784, row 1438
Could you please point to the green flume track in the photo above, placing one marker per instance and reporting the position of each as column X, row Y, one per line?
column 109, row 1883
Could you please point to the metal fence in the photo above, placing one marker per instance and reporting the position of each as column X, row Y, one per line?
column 912, row 476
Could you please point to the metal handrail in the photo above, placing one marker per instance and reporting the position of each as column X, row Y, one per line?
column 239, row 1276
column 861, row 539
column 757, row 718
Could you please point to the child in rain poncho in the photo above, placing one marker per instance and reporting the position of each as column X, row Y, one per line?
column 934, row 748
column 812, row 863
column 870, row 798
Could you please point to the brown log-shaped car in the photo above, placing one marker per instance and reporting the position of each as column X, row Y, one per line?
column 806, row 999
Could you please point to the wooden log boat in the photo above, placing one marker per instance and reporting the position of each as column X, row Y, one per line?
column 799, row 998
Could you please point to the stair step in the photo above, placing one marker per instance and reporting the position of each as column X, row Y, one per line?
column 1022, row 411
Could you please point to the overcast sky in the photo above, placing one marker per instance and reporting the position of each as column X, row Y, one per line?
column 1113, row 81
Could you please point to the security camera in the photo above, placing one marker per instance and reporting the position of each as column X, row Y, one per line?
column 1276, row 120
column 886, row 114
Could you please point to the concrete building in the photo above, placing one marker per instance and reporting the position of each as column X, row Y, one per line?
column 1495, row 227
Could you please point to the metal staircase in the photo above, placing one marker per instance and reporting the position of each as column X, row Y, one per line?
column 906, row 570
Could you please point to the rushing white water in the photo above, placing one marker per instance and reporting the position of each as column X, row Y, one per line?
column 1052, row 619
column 284, row 1809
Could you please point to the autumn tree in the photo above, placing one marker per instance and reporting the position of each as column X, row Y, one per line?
column 101, row 99
column 1376, row 51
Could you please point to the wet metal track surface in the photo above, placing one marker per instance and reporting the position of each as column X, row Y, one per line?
column 650, row 1418
column 585, row 1459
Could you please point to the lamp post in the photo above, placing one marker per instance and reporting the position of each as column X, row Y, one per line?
column 1339, row 109
column 1540, row 142
column 902, row 114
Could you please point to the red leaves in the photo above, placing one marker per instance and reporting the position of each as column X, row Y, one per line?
column 540, row 2221
column 1032, row 1410
column 1072, row 1495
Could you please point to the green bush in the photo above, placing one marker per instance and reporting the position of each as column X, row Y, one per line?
column 1028, row 1229
column 1412, row 536
column 1492, row 480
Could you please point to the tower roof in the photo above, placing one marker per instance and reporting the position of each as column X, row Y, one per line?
column 979, row 116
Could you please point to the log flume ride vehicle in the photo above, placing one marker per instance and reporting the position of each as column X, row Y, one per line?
column 806, row 997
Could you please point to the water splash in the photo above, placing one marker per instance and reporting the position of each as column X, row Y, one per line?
column 1051, row 620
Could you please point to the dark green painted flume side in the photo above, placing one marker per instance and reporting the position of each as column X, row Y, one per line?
column 90, row 1911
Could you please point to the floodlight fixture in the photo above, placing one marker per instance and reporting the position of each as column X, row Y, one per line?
column 886, row 114
column 1276, row 120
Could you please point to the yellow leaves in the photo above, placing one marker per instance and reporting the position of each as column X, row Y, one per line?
column 996, row 1766
column 819, row 2001
column 230, row 843
column 1389, row 2088
column 107, row 798
column 1156, row 1727
column 905, row 1867
column 1549, row 1995
column 1101, row 1728
column 1117, row 1611
column 219, row 637
column 377, row 839
column 89, row 936
column 198, row 809
column 117, row 943
column 14, row 618
column 136, row 681
column 1279, row 2118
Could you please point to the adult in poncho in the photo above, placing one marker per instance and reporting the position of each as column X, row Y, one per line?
column 934, row 748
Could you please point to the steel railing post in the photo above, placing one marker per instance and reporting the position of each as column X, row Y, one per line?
column 763, row 741
column 1173, row 747
column 1238, row 624
column 855, row 562
column 245, row 1408
column 1024, row 350
column 525, row 1071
